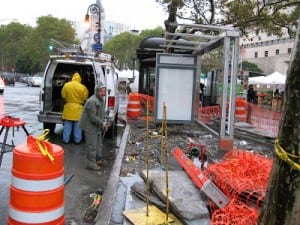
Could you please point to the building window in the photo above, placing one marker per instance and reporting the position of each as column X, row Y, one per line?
column 289, row 50
column 266, row 53
column 277, row 52
column 255, row 54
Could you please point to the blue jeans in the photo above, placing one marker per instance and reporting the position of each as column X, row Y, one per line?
column 77, row 132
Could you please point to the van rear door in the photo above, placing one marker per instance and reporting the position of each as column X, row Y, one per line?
column 112, row 91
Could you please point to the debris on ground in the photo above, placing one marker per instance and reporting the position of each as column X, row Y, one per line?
column 140, row 145
column 91, row 212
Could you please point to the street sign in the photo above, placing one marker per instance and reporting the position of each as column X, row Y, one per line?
column 96, row 37
column 97, row 47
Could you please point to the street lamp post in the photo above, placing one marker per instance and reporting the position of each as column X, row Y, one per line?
column 96, row 10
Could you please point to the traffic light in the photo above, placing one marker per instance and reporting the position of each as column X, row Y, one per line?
column 50, row 47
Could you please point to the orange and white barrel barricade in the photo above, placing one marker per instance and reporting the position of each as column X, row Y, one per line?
column 133, row 105
column 240, row 110
column 37, row 186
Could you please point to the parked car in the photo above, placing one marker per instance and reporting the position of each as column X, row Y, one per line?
column 9, row 79
column 92, row 69
column 35, row 81
column 2, row 85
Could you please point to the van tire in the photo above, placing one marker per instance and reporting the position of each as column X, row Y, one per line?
column 111, row 131
column 50, row 126
column 116, row 118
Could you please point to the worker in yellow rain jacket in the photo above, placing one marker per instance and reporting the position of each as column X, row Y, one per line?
column 75, row 94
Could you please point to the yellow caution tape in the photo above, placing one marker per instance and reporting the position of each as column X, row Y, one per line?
column 43, row 148
column 285, row 156
column 43, row 136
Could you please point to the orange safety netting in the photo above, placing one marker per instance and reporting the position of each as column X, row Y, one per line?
column 208, row 113
column 149, row 99
column 235, row 213
column 265, row 119
column 258, row 116
column 243, row 177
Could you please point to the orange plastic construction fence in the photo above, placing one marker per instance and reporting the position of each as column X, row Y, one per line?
column 147, row 99
column 243, row 177
column 259, row 117
column 265, row 119
column 235, row 213
column 240, row 110
column 208, row 113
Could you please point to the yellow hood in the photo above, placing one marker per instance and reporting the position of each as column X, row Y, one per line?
column 76, row 77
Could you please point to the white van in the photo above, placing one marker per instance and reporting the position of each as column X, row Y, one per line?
column 93, row 70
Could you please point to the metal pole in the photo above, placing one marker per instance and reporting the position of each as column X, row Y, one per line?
column 225, row 85
column 99, row 25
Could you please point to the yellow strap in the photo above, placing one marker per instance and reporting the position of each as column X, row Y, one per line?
column 285, row 156
column 43, row 148
column 42, row 137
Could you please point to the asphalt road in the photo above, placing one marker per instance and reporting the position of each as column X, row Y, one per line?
column 23, row 102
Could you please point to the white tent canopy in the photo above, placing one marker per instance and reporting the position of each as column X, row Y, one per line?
column 275, row 78
column 125, row 74
column 257, row 80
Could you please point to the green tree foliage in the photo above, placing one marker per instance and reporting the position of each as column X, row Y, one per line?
column 260, row 16
column 158, row 31
column 12, row 37
column 123, row 46
column 248, row 66
column 215, row 59
column 212, row 60
column 48, row 28
column 25, row 48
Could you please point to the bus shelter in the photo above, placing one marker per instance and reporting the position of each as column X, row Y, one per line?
column 173, row 64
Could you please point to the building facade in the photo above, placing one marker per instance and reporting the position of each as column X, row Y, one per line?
column 269, row 53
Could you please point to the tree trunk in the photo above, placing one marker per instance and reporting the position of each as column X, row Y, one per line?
column 172, row 9
column 282, row 202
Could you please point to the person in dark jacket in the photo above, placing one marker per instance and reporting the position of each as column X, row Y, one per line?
column 93, row 125
column 251, row 94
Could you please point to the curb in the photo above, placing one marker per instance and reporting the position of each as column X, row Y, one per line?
column 106, row 207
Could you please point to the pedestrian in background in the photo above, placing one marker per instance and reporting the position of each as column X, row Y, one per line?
column 75, row 94
column 244, row 92
column 93, row 125
column 251, row 94
column 128, row 89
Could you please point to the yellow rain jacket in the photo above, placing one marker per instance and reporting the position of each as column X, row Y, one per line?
column 75, row 94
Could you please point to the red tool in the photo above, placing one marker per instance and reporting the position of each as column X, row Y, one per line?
column 7, row 122
column 199, row 178
column 198, row 150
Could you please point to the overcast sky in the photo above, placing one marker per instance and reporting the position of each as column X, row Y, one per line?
column 139, row 14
